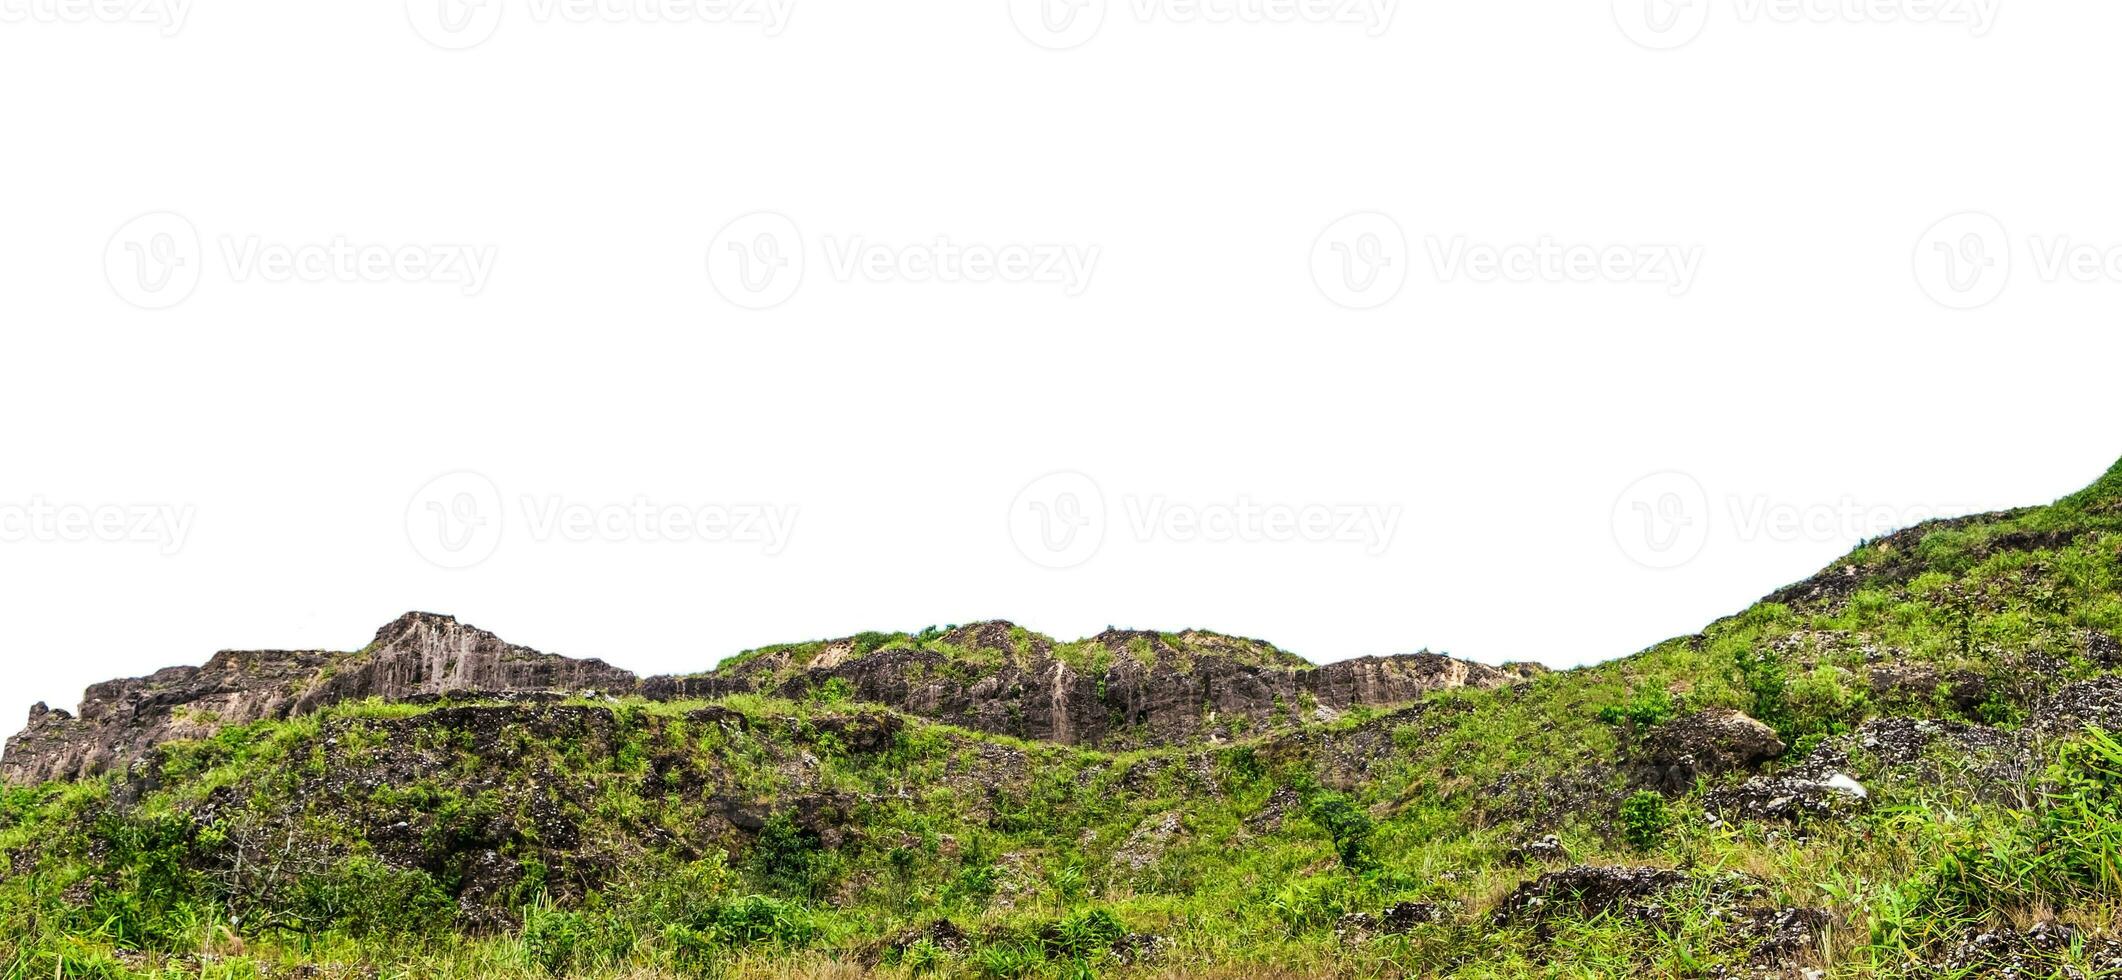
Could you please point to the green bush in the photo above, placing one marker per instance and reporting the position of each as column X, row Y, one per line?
column 556, row 941
column 1084, row 936
column 789, row 859
column 363, row 897
column 1644, row 820
column 1347, row 826
column 1764, row 677
column 1825, row 701
column 2080, row 830
column 919, row 957
column 835, row 690
column 1649, row 708
column 709, row 934
column 151, row 887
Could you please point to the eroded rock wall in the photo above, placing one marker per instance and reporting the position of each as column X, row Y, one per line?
column 122, row 721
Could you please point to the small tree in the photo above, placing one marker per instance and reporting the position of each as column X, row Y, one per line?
column 1348, row 826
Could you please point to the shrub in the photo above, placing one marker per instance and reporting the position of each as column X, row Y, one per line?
column 1347, row 826
column 699, row 943
column 1645, row 819
column 1085, row 935
column 755, row 920
column 1649, row 708
column 150, row 882
column 1763, row 676
column 1824, row 701
column 554, row 940
column 868, row 643
column 788, row 858
column 2080, row 831
column 835, row 690
column 920, row 957
column 364, row 897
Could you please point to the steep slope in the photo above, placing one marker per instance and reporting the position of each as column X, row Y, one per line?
column 1900, row 768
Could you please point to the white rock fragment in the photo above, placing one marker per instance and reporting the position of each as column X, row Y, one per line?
column 1843, row 784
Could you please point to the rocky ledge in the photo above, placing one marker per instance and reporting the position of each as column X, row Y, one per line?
column 421, row 654
column 1155, row 689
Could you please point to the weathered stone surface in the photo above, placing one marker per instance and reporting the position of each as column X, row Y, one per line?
column 2070, row 709
column 2046, row 949
column 421, row 654
column 1546, row 850
column 1133, row 703
column 1587, row 890
column 1707, row 743
column 123, row 720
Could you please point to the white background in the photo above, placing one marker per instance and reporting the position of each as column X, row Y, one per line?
column 1812, row 364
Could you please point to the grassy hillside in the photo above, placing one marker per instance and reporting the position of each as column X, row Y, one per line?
column 1579, row 824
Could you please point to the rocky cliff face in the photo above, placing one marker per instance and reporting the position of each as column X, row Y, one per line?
column 420, row 654
column 1134, row 704
column 1118, row 689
